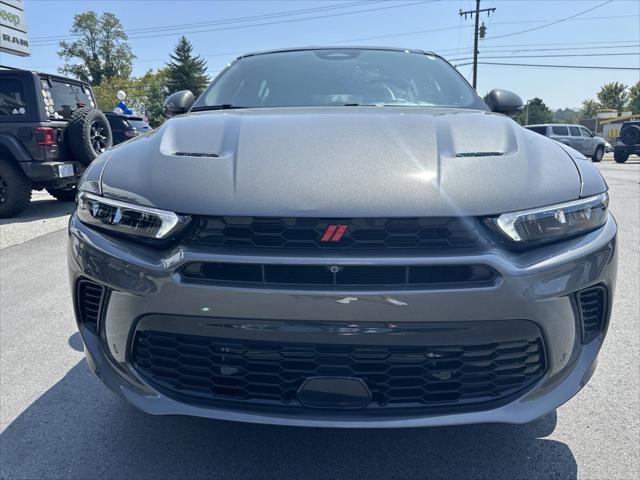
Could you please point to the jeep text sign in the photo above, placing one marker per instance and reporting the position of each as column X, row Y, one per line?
column 14, row 37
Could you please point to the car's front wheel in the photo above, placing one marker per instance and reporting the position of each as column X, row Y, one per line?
column 620, row 157
column 598, row 154
column 15, row 189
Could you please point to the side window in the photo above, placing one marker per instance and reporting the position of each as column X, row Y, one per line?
column 560, row 131
column 585, row 132
column 575, row 131
column 12, row 97
column 540, row 130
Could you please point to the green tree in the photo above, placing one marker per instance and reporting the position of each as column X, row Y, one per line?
column 613, row 95
column 590, row 108
column 565, row 115
column 535, row 112
column 186, row 72
column 101, row 50
column 153, row 91
column 145, row 94
column 634, row 98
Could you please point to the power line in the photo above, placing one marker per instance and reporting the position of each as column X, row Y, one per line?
column 552, row 56
column 587, row 67
column 277, row 22
column 510, row 45
column 551, row 23
column 518, row 50
column 227, row 20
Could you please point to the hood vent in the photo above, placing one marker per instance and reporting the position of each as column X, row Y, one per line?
column 480, row 154
column 195, row 154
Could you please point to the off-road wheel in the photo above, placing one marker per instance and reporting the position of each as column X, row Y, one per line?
column 64, row 195
column 15, row 189
column 620, row 157
column 598, row 154
column 89, row 134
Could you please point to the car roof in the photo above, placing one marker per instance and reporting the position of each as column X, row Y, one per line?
column 125, row 117
column 7, row 69
column 343, row 47
column 556, row 125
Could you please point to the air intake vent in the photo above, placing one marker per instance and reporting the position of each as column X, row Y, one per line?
column 90, row 301
column 593, row 308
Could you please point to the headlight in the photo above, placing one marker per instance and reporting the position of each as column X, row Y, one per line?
column 129, row 219
column 555, row 222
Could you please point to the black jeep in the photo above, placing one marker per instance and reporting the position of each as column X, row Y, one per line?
column 50, row 130
column 628, row 143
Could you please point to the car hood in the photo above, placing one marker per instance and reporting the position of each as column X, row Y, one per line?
column 341, row 161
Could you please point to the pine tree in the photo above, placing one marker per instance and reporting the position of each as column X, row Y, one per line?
column 186, row 72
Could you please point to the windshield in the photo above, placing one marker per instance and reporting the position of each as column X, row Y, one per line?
column 339, row 77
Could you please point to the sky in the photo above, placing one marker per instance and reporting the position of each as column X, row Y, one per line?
column 603, row 33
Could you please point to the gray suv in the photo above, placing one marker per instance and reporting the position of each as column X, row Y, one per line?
column 576, row 136
column 343, row 237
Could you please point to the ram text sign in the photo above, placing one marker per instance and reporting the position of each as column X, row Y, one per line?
column 14, row 35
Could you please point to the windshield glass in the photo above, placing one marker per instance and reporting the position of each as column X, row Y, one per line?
column 340, row 77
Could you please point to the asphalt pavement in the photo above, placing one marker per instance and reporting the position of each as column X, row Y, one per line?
column 58, row 421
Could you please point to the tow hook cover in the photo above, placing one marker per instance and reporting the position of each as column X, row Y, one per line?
column 334, row 392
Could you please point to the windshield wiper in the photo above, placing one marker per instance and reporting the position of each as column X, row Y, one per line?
column 224, row 106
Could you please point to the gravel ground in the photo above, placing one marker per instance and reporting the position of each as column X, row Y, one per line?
column 58, row 421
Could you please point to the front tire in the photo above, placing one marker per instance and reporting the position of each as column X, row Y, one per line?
column 15, row 189
column 598, row 154
column 620, row 157
column 63, row 195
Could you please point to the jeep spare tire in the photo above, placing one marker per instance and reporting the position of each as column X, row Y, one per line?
column 88, row 134
column 630, row 135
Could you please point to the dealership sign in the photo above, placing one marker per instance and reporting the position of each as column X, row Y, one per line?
column 14, row 36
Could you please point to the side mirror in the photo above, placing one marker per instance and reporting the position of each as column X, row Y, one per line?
column 178, row 103
column 504, row 101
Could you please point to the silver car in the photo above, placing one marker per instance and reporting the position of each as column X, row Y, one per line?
column 343, row 237
column 575, row 136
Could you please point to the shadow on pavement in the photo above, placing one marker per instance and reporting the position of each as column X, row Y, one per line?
column 40, row 210
column 79, row 430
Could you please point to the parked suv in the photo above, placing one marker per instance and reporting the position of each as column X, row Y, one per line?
column 628, row 143
column 576, row 136
column 50, row 130
column 343, row 237
column 124, row 127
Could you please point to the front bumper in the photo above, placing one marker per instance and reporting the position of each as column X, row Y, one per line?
column 537, row 286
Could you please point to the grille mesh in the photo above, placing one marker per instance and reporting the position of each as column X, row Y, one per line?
column 449, row 376
column 361, row 234
column 593, row 307
column 90, row 300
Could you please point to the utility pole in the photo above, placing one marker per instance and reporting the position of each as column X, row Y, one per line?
column 482, row 30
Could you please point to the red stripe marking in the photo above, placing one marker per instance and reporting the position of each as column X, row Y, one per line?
column 339, row 233
column 328, row 233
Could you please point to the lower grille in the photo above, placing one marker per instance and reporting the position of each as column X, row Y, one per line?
column 90, row 300
column 593, row 308
column 345, row 276
column 269, row 373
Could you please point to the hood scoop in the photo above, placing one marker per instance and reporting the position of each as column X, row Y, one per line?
column 480, row 154
column 195, row 154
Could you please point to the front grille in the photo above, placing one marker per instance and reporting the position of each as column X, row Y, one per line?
column 593, row 308
column 272, row 233
column 270, row 373
column 340, row 276
column 90, row 300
